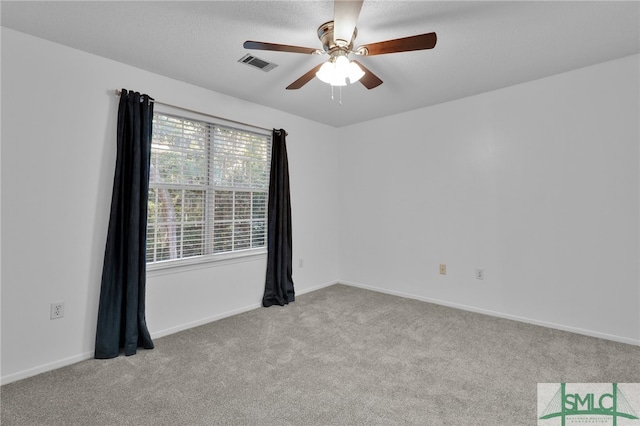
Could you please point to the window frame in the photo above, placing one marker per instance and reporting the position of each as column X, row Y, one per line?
column 222, row 258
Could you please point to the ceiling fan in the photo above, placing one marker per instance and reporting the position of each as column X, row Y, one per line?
column 337, row 39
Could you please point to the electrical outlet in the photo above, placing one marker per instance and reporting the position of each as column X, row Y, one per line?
column 57, row 310
column 479, row 274
column 300, row 263
column 443, row 269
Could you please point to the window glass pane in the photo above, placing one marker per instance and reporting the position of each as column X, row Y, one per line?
column 169, row 205
column 192, row 240
column 193, row 207
column 259, row 174
column 152, row 206
column 258, row 233
column 223, row 206
column 259, row 205
column 242, row 209
column 151, row 243
column 164, row 245
column 178, row 151
column 222, row 237
column 242, row 236
column 241, row 176
column 220, row 176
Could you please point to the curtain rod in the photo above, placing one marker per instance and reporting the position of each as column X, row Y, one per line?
column 118, row 92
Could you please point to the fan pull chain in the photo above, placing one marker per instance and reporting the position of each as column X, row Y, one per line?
column 340, row 95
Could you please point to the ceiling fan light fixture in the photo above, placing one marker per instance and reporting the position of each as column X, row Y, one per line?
column 332, row 73
column 326, row 72
column 338, row 80
column 337, row 69
column 342, row 65
column 354, row 72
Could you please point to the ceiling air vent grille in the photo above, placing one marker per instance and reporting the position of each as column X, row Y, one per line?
column 257, row 63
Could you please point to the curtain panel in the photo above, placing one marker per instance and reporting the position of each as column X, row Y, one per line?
column 121, row 313
column 279, row 283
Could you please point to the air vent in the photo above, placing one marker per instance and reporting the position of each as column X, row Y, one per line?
column 257, row 63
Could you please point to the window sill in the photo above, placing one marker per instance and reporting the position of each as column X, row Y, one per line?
column 202, row 262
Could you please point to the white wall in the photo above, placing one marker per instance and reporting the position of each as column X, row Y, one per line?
column 58, row 145
column 537, row 183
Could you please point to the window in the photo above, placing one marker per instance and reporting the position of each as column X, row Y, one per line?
column 208, row 188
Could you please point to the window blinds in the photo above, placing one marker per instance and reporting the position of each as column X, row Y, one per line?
column 207, row 189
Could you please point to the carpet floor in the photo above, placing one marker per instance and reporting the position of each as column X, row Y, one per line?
column 337, row 356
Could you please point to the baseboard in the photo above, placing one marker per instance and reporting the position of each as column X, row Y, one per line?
column 317, row 287
column 222, row 315
column 203, row 321
column 562, row 327
column 14, row 377
column 45, row 367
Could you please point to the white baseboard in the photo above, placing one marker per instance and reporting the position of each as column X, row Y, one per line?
column 591, row 333
column 161, row 333
column 207, row 320
column 14, row 377
column 317, row 287
column 45, row 367
column 203, row 321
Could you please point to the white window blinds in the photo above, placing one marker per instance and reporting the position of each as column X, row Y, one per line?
column 207, row 189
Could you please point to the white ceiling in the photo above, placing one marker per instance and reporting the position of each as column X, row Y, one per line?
column 482, row 45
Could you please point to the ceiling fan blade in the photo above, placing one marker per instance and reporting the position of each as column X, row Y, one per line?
column 258, row 45
column 307, row 77
column 345, row 17
column 369, row 79
column 405, row 44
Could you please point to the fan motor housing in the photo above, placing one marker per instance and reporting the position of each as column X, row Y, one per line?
column 325, row 34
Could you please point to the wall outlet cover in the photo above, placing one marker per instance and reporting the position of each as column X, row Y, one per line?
column 57, row 310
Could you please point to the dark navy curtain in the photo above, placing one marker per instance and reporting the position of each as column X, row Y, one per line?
column 121, row 313
column 279, row 283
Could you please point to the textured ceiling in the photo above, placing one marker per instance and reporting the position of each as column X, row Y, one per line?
column 482, row 45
